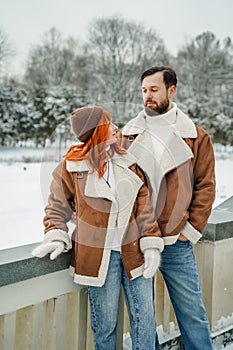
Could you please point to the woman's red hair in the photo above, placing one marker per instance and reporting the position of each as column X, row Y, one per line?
column 94, row 150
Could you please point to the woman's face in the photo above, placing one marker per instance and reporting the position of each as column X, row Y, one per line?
column 112, row 133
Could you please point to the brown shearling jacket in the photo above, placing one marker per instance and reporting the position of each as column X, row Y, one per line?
column 98, row 213
column 186, row 192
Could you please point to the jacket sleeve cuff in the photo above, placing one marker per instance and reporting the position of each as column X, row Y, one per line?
column 191, row 233
column 58, row 235
column 151, row 242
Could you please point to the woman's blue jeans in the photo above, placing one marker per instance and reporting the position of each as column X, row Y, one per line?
column 178, row 267
column 104, row 304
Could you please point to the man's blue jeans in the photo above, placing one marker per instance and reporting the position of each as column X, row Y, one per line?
column 104, row 304
column 178, row 267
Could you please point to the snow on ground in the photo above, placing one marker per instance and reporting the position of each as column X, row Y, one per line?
column 224, row 170
column 20, row 204
column 224, row 183
column 24, row 188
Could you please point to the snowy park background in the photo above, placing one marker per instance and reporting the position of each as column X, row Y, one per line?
column 24, row 189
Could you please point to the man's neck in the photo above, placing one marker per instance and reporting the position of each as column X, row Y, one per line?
column 169, row 107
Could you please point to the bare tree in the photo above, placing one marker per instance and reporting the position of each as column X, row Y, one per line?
column 6, row 52
column 120, row 51
column 51, row 62
column 205, row 67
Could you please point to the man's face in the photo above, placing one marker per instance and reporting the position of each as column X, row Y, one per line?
column 156, row 96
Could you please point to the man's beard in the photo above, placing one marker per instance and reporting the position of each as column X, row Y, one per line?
column 159, row 108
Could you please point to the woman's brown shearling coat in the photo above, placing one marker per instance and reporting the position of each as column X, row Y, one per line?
column 97, row 214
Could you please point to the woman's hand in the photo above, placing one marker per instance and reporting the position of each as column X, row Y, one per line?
column 53, row 248
column 152, row 261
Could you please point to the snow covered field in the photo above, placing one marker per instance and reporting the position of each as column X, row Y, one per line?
column 24, row 188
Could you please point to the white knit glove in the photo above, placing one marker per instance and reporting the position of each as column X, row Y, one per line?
column 53, row 248
column 54, row 243
column 152, row 261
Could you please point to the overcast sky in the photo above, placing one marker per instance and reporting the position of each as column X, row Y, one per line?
column 25, row 21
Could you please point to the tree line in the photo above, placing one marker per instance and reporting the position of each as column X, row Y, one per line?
column 62, row 74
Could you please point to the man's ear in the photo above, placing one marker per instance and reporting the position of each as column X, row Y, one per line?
column 171, row 91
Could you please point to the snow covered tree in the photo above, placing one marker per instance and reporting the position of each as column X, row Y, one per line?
column 223, row 129
column 52, row 106
column 7, row 132
column 15, row 112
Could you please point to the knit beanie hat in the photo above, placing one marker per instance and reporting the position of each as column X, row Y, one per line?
column 84, row 120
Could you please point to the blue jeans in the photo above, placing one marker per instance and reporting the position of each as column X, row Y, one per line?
column 104, row 304
column 178, row 267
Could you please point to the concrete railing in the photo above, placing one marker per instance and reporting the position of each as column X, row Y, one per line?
column 40, row 306
column 214, row 256
column 42, row 309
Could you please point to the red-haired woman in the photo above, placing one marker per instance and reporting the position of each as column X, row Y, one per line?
column 117, row 240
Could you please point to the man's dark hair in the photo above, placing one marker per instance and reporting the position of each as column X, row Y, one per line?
column 169, row 75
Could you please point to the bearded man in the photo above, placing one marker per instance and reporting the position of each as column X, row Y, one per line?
column 178, row 159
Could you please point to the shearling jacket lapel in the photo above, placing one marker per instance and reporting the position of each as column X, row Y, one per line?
column 128, row 185
column 95, row 187
column 98, row 188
